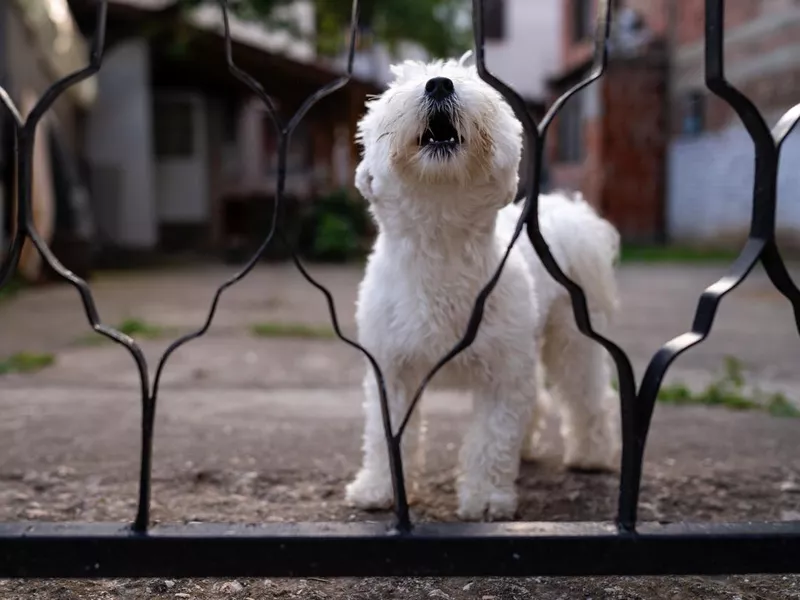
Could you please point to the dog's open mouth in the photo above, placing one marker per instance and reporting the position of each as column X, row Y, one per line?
column 441, row 134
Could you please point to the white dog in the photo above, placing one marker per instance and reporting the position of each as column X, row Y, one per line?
column 441, row 150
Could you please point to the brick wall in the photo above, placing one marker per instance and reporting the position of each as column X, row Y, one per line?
column 655, row 14
column 762, row 57
column 623, row 133
column 634, row 147
column 711, row 167
column 572, row 53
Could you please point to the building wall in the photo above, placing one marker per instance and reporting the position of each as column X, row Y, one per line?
column 5, row 154
column 29, row 73
column 711, row 170
column 299, row 16
column 530, row 50
column 634, row 147
column 711, row 183
column 654, row 13
column 623, row 135
column 120, row 149
column 31, row 34
column 584, row 176
column 373, row 64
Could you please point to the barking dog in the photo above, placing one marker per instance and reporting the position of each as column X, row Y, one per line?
column 441, row 151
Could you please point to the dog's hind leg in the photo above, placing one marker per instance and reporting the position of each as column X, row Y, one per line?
column 372, row 487
column 580, row 380
column 535, row 446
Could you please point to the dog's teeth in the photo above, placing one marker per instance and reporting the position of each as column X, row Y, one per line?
column 452, row 139
column 431, row 140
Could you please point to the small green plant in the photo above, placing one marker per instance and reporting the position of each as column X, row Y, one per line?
column 779, row 406
column 336, row 228
column 336, row 239
column 727, row 391
column 674, row 254
column 25, row 362
column 13, row 287
column 676, row 394
column 293, row 330
column 133, row 327
column 141, row 329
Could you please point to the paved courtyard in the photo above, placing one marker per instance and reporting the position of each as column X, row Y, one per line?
column 266, row 428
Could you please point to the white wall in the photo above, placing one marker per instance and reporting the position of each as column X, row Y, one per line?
column 531, row 49
column 711, row 185
column 300, row 14
column 528, row 54
column 119, row 137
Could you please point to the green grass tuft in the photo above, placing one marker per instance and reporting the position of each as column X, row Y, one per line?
column 675, row 254
column 779, row 406
column 25, row 362
column 141, row 329
column 293, row 330
column 133, row 327
column 14, row 286
column 728, row 392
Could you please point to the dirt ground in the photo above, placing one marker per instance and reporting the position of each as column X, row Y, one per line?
column 256, row 429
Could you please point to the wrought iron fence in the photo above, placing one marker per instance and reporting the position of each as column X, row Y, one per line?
column 360, row 549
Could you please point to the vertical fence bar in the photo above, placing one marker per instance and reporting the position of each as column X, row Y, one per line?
column 25, row 139
column 760, row 244
column 637, row 408
column 403, row 520
column 536, row 137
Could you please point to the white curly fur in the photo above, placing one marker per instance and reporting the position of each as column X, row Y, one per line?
column 444, row 224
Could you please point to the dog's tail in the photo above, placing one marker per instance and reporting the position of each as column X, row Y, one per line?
column 586, row 247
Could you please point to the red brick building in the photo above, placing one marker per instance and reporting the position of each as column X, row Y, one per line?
column 608, row 142
column 711, row 157
column 648, row 144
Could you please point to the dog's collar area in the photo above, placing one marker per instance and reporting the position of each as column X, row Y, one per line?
column 440, row 133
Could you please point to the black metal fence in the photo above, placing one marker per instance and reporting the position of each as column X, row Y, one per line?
column 625, row 547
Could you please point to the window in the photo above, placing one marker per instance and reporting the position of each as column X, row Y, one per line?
column 582, row 19
column 174, row 129
column 230, row 121
column 693, row 115
column 570, row 131
column 494, row 22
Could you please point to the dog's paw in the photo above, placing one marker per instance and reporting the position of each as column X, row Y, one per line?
column 369, row 493
column 535, row 448
column 487, row 504
column 600, row 456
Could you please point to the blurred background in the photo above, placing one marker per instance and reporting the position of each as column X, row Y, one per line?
column 165, row 155
column 155, row 180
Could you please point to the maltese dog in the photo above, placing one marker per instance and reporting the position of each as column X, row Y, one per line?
column 441, row 151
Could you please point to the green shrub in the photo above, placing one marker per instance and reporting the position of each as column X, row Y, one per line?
column 337, row 228
column 335, row 240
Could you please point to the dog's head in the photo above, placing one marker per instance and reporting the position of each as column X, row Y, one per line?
column 440, row 122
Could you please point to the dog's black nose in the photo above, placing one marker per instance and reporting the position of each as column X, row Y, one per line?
column 439, row 88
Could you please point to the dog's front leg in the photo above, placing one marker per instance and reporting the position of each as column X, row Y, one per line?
column 372, row 488
column 490, row 455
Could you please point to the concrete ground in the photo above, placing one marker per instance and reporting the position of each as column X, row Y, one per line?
column 255, row 429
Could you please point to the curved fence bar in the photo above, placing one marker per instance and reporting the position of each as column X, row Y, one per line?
column 536, row 136
column 760, row 244
column 25, row 138
column 623, row 547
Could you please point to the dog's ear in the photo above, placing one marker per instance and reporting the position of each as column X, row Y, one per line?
column 363, row 181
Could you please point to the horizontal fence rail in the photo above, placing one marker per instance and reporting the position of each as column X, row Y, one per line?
column 624, row 547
